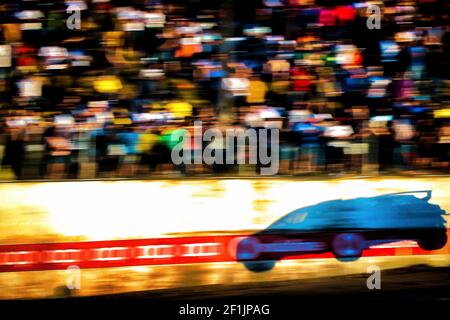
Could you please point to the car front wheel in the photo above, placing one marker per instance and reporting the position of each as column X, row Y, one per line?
column 259, row 266
column 347, row 246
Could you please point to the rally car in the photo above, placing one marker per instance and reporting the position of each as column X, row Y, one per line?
column 346, row 228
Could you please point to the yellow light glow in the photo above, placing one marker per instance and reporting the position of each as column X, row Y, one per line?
column 103, row 210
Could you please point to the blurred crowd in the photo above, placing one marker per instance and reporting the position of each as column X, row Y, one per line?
column 97, row 88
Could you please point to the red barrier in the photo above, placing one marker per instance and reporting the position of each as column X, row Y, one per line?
column 160, row 251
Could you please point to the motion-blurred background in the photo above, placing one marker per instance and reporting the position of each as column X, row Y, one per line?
column 98, row 88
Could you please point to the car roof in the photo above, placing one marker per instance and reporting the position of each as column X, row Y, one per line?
column 394, row 210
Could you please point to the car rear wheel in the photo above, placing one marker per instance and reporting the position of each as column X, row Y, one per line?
column 433, row 241
column 347, row 246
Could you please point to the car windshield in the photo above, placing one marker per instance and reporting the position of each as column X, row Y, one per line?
column 295, row 217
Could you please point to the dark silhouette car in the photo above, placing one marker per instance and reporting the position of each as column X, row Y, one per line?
column 346, row 228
